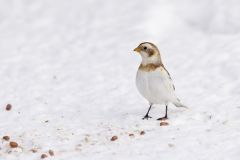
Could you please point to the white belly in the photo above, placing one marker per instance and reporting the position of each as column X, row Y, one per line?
column 155, row 87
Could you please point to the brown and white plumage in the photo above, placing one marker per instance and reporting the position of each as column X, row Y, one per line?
column 153, row 80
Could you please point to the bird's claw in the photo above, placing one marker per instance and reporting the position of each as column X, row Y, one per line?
column 162, row 118
column 146, row 117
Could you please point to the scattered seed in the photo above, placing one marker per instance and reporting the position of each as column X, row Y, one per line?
column 8, row 107
column 6, row 138
column 142, row 132
column 114, row 138
column 34, row 150
column 44, row 156
column 13, row 144
column 131, row 135
column 51, row 153
column 164, row 124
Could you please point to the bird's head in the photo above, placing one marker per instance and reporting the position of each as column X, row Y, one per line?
column 149, row 53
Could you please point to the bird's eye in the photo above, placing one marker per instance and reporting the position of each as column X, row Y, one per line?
column 144, row 48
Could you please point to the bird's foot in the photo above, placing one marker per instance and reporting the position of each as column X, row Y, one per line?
column 146, row 117
column 162, row 118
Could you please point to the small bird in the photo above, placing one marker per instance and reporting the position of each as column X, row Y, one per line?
column 153, row 80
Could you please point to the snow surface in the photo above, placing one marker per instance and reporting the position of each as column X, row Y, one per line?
column 68, row 69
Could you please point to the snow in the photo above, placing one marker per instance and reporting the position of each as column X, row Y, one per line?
column 68, row 69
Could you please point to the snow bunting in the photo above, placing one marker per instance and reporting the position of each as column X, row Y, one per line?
column 153, row 80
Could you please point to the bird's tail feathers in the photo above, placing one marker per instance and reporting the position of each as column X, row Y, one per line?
column 179, row 104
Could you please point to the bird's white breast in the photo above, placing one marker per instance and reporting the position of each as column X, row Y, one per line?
column 155, row 86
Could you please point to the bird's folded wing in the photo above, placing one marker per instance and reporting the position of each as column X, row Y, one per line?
column 168, row 80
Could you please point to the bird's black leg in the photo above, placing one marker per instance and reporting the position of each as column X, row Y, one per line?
column 147, row 116
column 165, row 117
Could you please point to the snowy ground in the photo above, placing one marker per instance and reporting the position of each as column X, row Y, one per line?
column 68, row 69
